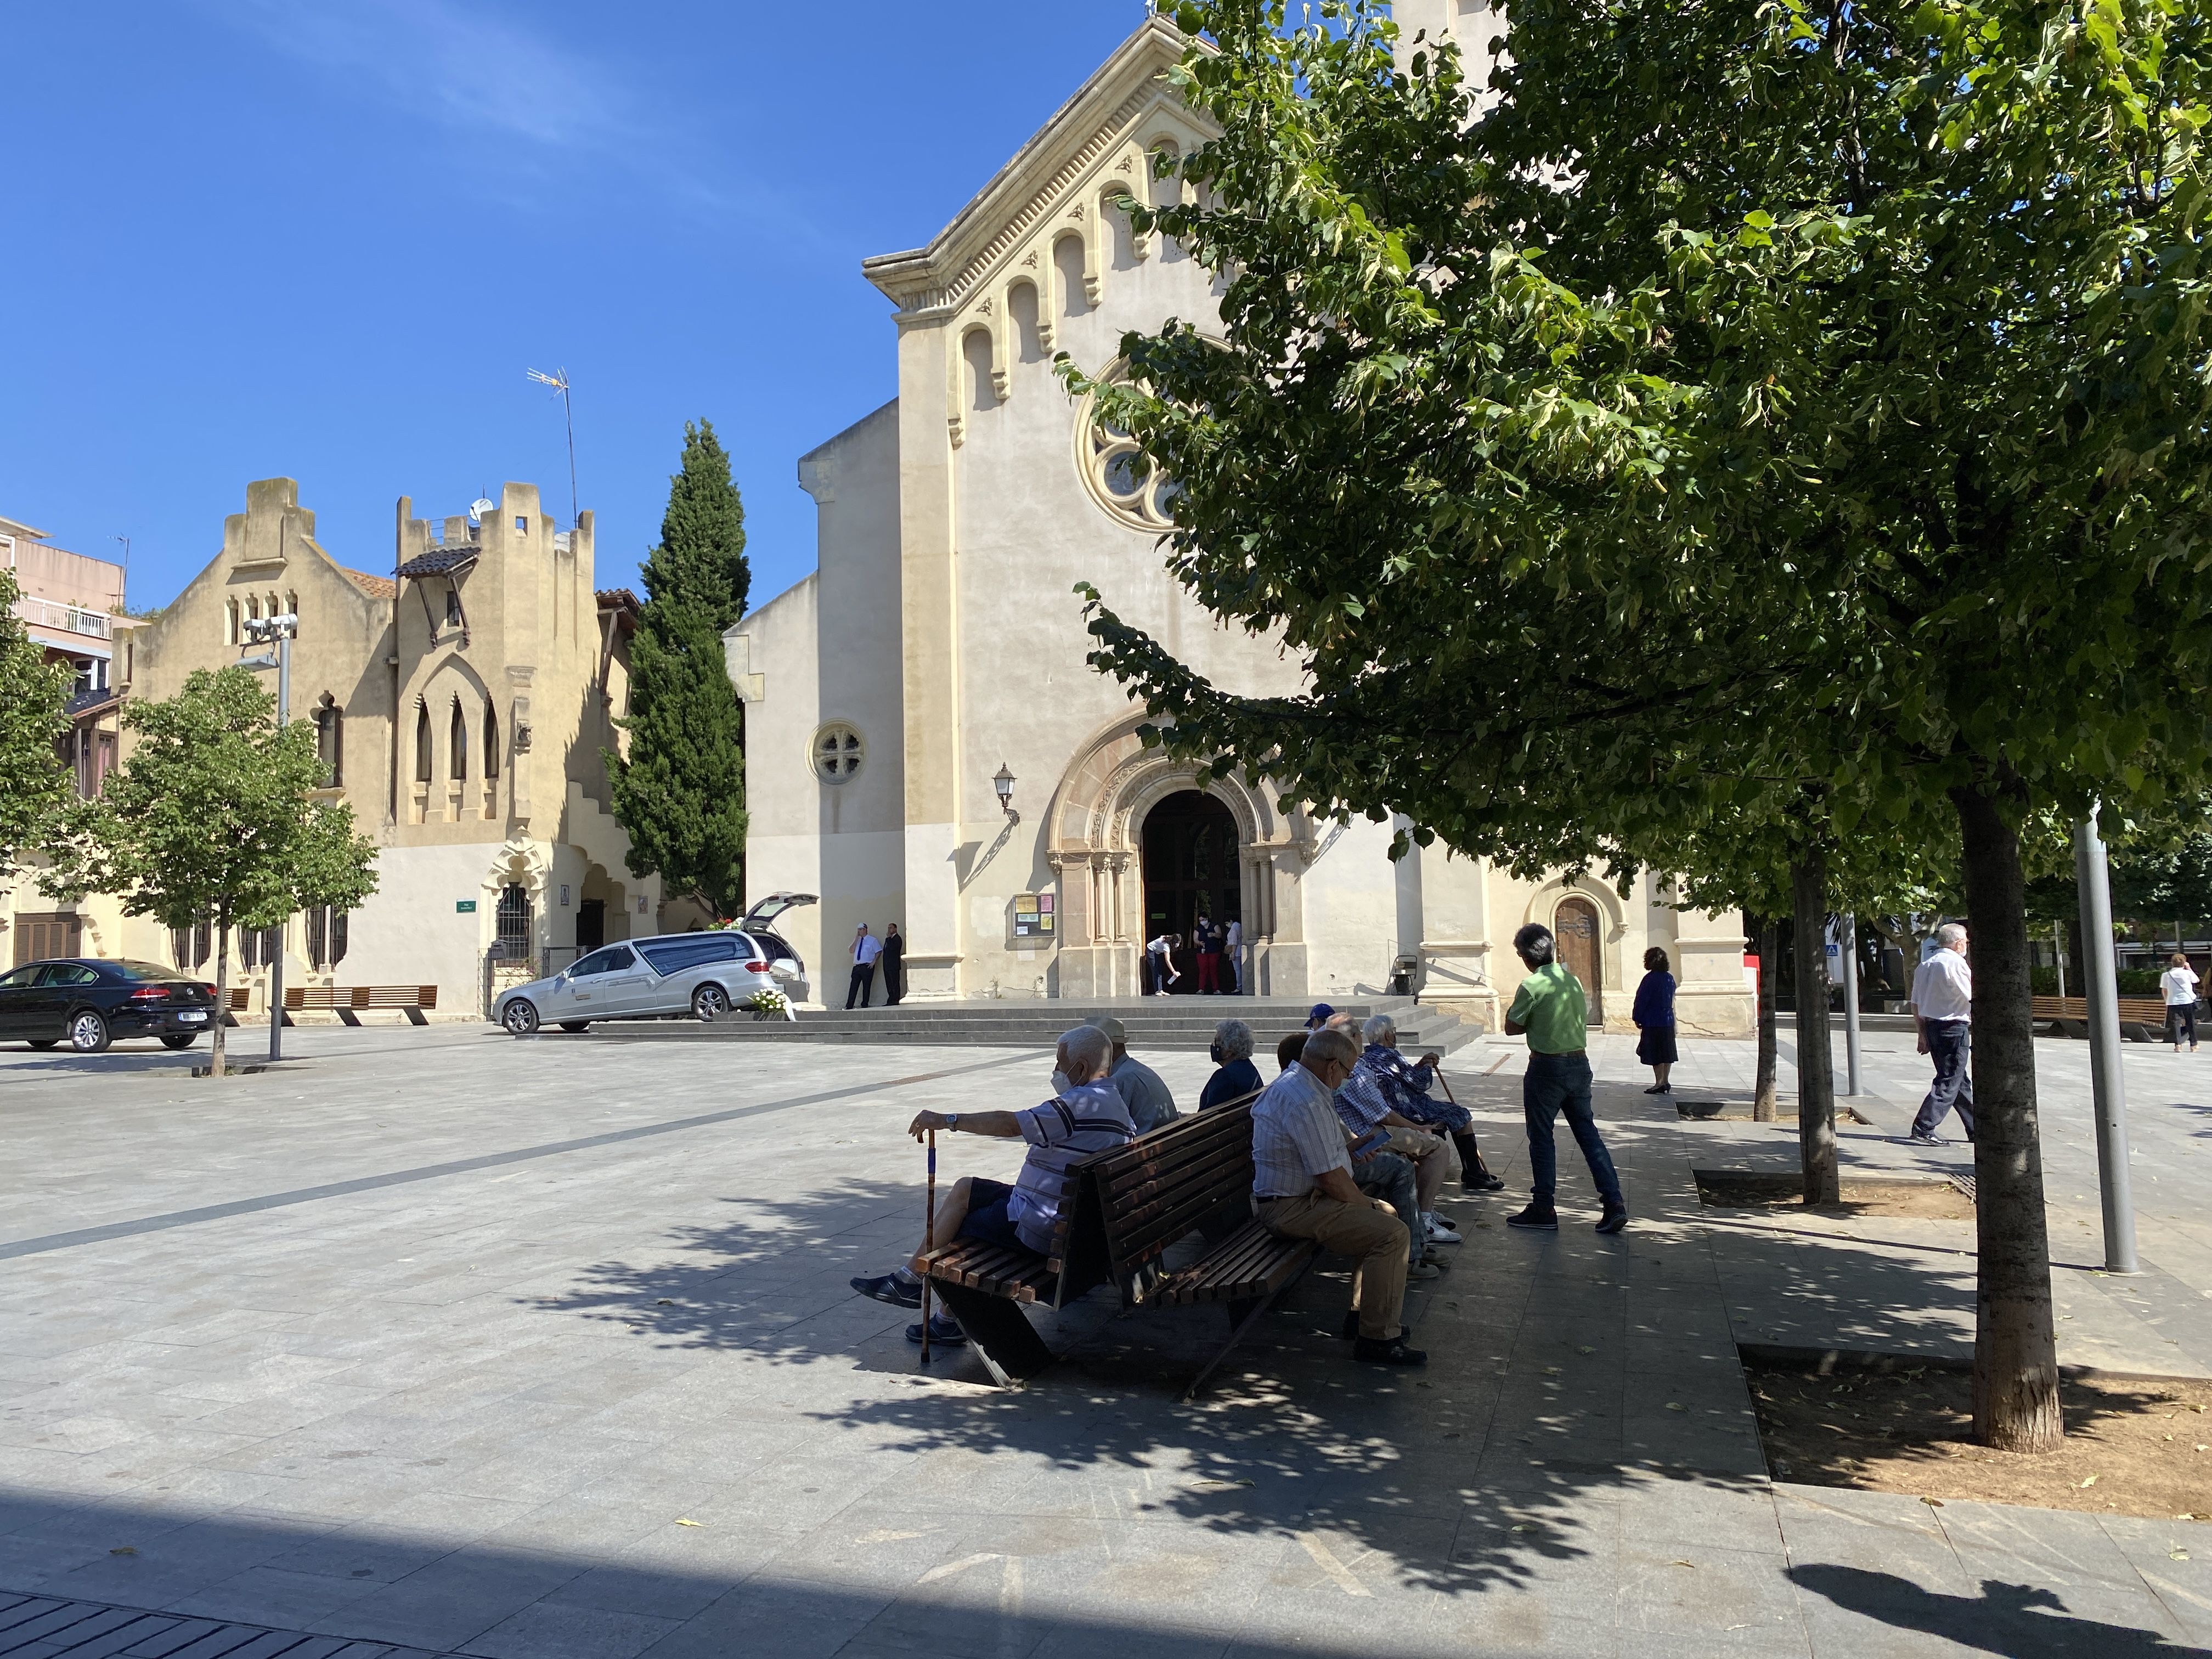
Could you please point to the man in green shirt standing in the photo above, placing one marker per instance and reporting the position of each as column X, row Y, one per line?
column 1553, row 1009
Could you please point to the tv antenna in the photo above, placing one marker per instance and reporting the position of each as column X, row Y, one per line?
column 558, row 380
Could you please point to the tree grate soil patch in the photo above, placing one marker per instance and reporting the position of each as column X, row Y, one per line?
column 2133, row 1446
column 1903, row 1198
column 1740, row 1111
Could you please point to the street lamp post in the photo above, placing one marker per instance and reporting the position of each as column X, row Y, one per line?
column 279, row 629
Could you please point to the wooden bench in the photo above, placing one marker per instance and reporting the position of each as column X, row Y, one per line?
column 1127, row 1208
column 413, row 1000
column 2142, row 1018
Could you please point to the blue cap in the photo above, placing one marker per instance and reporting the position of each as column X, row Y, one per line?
column 1318, row 1013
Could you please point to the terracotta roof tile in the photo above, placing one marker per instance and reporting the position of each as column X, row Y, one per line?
column 377, row 587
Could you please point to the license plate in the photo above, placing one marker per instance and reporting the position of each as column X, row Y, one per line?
column 191, row 1017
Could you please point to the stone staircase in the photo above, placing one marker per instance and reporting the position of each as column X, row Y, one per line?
column 1154, row 1023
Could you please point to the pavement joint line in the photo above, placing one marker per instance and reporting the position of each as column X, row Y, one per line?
column 154, row 1223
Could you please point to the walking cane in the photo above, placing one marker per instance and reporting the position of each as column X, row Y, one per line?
column 928, row 1243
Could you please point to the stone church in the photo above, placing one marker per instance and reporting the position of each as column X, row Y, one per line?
column 461, row 703
column 926, row 744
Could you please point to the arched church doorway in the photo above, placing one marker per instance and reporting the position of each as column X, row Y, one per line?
column 1190, row 872
column 1575, row 925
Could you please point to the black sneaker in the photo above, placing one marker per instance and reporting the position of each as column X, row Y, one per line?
column 1918, row 1139
column 1537, row 1220
column 892, row 1289
column 943, row 1331
column 1370, row 1351
column 1613, row 1221
column 1482, row 1181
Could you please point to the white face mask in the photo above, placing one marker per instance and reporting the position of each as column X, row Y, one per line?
column 1060, row 1085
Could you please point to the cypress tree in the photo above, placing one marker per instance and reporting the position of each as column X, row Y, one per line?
column 681, row 794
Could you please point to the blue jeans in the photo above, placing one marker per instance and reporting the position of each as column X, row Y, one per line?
column 1390, row 1177
column 1951, row 1046
column 1553, row 1084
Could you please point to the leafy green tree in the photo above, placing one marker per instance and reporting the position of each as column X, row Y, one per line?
column 213, row 816
column 680, row 791
column 34, row 784
column 1762, row 410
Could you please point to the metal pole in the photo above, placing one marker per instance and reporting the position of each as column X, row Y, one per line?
column 2058, row 945
column 1852, row 1005
column 276, row 957
column 2102, row 992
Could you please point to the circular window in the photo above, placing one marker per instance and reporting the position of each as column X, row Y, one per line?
column 1119, row 477
column 838, row 752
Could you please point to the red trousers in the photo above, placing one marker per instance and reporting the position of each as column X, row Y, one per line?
column 1209, row 971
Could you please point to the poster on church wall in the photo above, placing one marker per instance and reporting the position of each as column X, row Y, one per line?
column 1033, row 916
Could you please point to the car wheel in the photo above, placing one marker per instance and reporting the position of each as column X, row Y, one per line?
column 575, row 1025
column 87, row 1032
column 44, row 1042
column 710, row 1002
column 181, row 1040
column 520, row 1017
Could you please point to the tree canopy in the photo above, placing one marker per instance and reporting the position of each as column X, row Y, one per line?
column 1752, row 433
column 213, row 817
column 681, row 791
column 34, row 784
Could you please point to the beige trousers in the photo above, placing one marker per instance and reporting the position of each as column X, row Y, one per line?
column 1370, row 1232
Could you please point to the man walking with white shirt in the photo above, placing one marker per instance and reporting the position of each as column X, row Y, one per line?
column 1942, row 1004
column 866, row 947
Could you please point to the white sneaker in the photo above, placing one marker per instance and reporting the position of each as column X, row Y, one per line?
column 1439, row 1231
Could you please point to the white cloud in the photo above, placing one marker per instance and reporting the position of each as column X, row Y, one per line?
column 458, row 64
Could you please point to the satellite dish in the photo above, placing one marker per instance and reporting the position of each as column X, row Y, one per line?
column 479, row 507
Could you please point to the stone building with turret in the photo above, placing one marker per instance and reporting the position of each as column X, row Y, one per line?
column 462, row 698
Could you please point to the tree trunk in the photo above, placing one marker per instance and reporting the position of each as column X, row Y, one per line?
column 1770, row 963
column 216, row 1049
column 1816, row 1066
column 2016, row 1351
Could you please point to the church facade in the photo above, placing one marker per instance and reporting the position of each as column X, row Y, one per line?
column 926, row 744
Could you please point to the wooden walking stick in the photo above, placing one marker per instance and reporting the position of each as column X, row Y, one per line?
column 928, row 1243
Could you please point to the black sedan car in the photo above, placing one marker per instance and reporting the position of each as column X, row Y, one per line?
column 87, row 1003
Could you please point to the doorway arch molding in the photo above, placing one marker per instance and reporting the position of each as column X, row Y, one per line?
column 1543, row 907
column 1094, row 843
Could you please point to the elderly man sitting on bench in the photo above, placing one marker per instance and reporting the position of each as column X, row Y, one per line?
column 1302, row 1179
column 1402, row 1087
column 1089, row 1117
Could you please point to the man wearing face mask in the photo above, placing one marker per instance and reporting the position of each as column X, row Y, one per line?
column 1553, row 1009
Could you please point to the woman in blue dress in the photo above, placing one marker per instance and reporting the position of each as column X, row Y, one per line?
column 1654, row 1015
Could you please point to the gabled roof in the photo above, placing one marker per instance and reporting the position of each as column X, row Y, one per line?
column 1030, row 186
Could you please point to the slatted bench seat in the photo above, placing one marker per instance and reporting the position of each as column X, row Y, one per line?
column 1129, row 1206
column 2142, row 1018
column 343, row 1000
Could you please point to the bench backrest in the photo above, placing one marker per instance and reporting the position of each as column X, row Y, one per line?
column 2140, row 1011
column 297, row 997
column 1139, row 1200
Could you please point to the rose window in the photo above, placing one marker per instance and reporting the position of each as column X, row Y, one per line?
column 838, row 752
column 1118, row 475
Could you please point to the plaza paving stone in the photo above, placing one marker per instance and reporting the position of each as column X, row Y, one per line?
column 437, row 1342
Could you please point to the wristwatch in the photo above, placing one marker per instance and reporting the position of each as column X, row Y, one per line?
column 952, row 1120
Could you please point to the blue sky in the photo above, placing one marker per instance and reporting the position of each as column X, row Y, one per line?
column 324, row 239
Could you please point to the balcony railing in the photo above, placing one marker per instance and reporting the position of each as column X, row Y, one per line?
column 69, row 618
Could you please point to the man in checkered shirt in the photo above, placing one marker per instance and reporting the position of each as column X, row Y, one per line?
column 1301, row 1182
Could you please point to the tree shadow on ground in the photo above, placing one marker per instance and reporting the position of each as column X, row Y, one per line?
column 2005, row 1619
column 1571, row 1378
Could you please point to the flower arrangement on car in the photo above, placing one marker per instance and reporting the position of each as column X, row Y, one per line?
column 767, row 1003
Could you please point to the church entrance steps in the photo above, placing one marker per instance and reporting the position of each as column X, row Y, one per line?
column 1157, row 1023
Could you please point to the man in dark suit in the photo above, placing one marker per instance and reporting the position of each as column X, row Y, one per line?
column 893, row 963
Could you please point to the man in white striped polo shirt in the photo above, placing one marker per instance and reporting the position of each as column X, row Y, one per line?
column 1089, row 1117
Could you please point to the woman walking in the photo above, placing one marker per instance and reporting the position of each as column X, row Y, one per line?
column 2178, row 982
column 1654, row 1015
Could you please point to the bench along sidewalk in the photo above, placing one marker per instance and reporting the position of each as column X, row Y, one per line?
column 2143, row 1019
column 1129, row 1207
